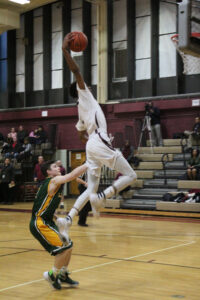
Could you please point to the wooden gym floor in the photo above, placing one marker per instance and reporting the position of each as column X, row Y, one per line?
column 116, row 257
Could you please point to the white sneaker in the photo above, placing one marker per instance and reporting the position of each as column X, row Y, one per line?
column 96, row 201
column 63, row 226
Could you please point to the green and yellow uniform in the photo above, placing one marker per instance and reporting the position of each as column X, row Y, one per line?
column 42, row 225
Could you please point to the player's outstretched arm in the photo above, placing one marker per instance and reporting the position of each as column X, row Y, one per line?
column 71, row 63
column 70, row 176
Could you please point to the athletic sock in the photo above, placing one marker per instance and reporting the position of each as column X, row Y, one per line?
column 110, row 191
column 54, row 271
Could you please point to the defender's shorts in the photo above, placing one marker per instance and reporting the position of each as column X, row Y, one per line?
column 47, row 233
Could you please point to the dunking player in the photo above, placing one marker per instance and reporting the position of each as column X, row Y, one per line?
column 52, row 235
column 99, row 151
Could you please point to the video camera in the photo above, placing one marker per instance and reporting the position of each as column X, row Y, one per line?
column 147, row 109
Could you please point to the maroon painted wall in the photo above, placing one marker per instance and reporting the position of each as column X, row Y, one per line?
column 176, row 116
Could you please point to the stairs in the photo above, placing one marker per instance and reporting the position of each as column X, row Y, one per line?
column 151, row 172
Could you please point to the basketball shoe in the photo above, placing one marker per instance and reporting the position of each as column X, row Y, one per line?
column 66, row 280
column 53, row 281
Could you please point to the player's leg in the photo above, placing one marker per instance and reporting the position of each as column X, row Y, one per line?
column 61, row 266
column 153, row 135
column 129, row 176
column 93, row 183
column 158, row 135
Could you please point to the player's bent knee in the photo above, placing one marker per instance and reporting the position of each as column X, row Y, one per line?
column 133, row 177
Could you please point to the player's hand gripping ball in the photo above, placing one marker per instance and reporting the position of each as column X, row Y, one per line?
column 76, row 41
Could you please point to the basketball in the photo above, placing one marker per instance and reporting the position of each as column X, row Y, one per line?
column 79, row 42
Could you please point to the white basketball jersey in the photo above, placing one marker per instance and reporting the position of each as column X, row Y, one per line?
column 91, row 116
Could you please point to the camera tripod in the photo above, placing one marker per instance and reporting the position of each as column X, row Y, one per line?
column 146, row 125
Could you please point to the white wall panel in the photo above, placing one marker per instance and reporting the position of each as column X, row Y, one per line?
column 167, row 18
column 94, row 45
column 38, row 12
column 143, row 42
column 20, row 83
column 167, row 57
column 119, row 21
column 20, row 56
column 143, row 8
column 38, row 72
column 76, row 4
column 38, row 35
column 94, row 75
column 57, row 58
column 76, row 20
column 143, row 69
column 120, row 45
column 56, row 9
column 20, row 31
column 94, row 14
column 57, row 79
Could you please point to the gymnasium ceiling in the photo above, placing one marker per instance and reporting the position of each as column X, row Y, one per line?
column 10, row 12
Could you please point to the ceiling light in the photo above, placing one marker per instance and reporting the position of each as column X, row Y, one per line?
column 21, row 1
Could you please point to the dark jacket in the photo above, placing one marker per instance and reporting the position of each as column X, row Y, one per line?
column 42, row 136
column 155, row 116
column 196, row 128
column 21, row 135
column 7, row 174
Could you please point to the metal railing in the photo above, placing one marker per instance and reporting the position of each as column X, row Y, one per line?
column 184, row 143
column 165, row 160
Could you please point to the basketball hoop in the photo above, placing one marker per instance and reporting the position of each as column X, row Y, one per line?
column 190, row 61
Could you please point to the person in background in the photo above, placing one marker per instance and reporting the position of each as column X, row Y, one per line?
column 38, row 175
column 128, row 151
column 13, row 134
column 7, row 147
column 33, row 136
column 7, row 181
column 26, row 150
column 63, row 172
column 193, row 165
column 41, row 135
column 83, row 213
column 154, row 113
column 194, row 135
column 1, row 137
column 21, row 134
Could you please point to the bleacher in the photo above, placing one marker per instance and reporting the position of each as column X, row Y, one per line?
column 24, row 170
column 155, row 178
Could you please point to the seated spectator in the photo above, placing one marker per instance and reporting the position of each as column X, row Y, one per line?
column 7, row 147
column 26, row 150
column 38, row 175
column 193, row 165
column 41, row 135
column 12, row 134
column 194, row 135
column 128, row 151
column 10, row 151
column 33, row 136
column 1, row 137
column 21, row 134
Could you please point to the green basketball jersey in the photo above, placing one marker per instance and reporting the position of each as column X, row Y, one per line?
column 45, row 204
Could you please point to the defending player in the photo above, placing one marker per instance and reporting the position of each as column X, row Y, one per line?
column 99, row 150
column 53, row 237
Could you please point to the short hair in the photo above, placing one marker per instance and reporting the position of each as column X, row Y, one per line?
column 46, row 166
column 73, row 90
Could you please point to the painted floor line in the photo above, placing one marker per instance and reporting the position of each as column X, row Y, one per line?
column 101, row 265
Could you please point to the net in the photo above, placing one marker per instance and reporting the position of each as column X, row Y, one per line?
column 191, row 63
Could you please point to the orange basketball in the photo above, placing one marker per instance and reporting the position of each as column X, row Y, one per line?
column 79, row 42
